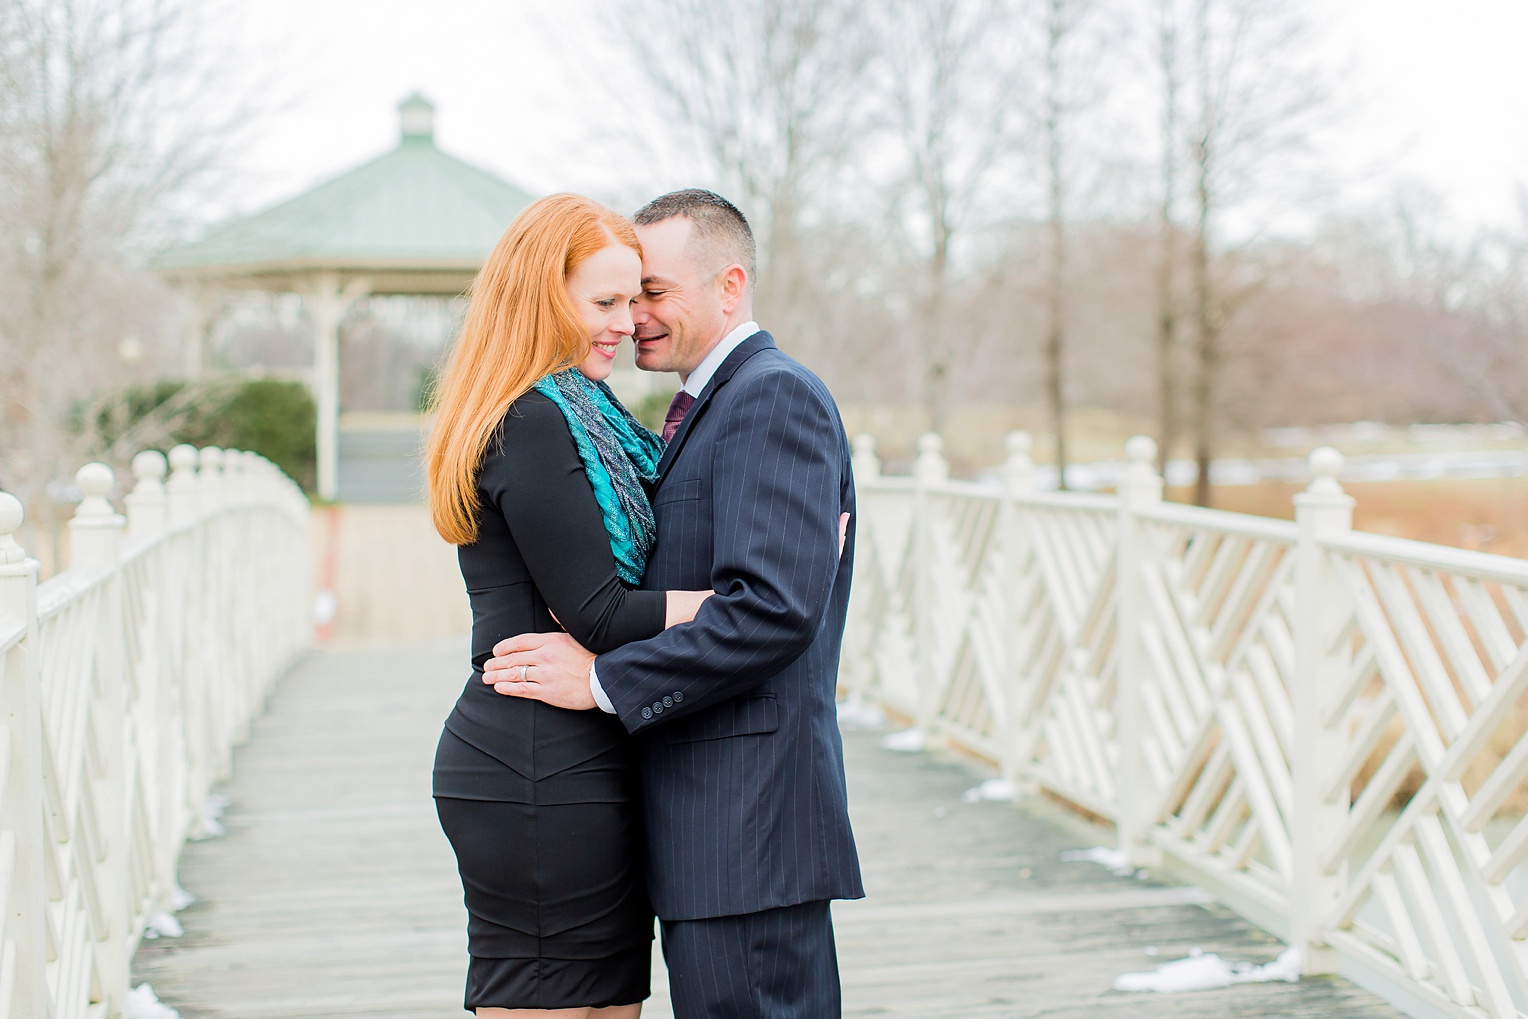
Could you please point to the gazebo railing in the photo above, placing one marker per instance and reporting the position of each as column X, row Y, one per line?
column 125, row 681
column 1326, row 728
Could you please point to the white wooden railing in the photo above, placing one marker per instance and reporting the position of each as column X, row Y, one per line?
column 125, row 681
column 1326, row 728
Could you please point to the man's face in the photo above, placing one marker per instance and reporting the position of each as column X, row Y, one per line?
column 679, row 315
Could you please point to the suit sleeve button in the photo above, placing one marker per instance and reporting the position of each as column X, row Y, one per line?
column 678, row 696
column 647, row 712
column 657, row 708
column 668, row 702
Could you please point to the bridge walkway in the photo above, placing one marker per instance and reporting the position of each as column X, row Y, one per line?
column 334, row 894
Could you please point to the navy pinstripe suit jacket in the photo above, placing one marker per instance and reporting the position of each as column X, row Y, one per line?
column 742, row 762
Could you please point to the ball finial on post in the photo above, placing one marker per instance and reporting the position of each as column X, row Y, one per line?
column 930, row 468
column 1141, row 449
column 183, row 459
column 183, row 489
column 12, row 515
column 1325, row 465
column 1019, row 468
column 1141, row 485
column 147, row 504
column 867, row 465
column 149, row 468
column 95, row 482
column 95, row 533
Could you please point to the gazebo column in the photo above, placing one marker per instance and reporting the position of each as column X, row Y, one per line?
column 326, row 302
column 207, row 304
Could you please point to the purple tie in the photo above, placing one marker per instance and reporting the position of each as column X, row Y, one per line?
column 679, row 406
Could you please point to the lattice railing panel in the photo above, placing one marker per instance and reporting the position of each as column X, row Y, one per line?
column 1217, row 658
column 1329, row 729
column 126, row 681
column 1432, row 781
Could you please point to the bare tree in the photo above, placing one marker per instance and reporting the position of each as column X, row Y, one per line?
column 1066, row 90
column 106, row 123
column 1169, row 68
column 771, row 90
column 952, row 72
column 1256, row 99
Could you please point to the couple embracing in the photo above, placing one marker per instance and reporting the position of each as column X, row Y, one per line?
column 649, row 725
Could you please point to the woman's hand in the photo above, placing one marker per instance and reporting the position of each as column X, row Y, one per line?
column 682, row 606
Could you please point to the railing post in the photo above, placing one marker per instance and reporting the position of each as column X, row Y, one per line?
column 211, row 478
column 95, row 540
column 1019, row 468
column 929, row 469
column 148, row 506
column 183, row 492
column 867, row 465
column 21, row 796
column 1018, row 481
column 1323, row 510
column 860, row 671
column 214, row 613
column 95, row 533
column 1140, row 489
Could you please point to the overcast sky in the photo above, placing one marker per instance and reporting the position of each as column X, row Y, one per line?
column 522, row 88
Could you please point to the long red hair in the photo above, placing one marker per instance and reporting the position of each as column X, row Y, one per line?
column 520, row 326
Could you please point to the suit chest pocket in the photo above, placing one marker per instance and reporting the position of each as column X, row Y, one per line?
column 684, row 490
column 684, row 554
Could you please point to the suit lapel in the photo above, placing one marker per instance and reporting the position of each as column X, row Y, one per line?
column 754, row 344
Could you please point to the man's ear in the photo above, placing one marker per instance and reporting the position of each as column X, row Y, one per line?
column 734, row 284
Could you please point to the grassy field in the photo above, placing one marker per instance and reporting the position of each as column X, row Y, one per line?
column 1482, row 515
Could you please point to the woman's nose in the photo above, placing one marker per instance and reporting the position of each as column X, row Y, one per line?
column 623, row 324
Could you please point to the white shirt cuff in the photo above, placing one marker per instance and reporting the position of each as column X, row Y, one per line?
column 598, row 691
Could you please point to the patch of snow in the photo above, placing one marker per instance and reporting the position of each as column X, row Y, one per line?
column 906, row 741
column 212, row 818
column 143, row 1003
column 1115, row 859
column 180, row 898
column 325, row 607
column 162, row 925
column 1199, row 972
column 995, row 790
column 855, row 713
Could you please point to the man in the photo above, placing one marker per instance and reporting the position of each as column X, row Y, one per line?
column 742, row 763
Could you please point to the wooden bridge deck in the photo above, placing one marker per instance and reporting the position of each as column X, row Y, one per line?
column 334, row 894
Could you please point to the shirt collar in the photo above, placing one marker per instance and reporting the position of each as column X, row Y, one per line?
column 712, row 361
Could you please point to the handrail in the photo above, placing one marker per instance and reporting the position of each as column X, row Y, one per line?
column 125, row 681
column 1325, row 728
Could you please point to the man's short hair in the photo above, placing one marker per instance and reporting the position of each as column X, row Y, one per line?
column 720, row 228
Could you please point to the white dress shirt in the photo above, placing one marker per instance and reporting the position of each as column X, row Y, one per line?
column 694, row 385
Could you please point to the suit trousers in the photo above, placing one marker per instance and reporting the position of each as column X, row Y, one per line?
column 776, row 964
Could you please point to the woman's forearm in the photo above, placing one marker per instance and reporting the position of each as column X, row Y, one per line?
column 682, row 606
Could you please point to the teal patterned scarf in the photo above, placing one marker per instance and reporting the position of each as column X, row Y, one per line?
column 619, row 456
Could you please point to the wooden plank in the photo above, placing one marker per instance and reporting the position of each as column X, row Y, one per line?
column 334, row 893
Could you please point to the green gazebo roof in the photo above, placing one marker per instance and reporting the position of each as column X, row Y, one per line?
column 414, row 220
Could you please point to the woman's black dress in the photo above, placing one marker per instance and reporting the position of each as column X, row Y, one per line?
column 540, row 803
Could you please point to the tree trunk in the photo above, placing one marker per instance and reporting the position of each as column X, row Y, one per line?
column 1167, row 298
column 1207, row 348
column 1055, row 336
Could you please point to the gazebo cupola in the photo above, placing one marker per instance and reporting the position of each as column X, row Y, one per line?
column 414, row 220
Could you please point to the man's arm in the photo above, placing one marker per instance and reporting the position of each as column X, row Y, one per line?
column 777, row 493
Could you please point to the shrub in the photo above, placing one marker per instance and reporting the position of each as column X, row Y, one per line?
column 273, row 417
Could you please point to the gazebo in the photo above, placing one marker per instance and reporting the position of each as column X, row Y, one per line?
column 413, row 221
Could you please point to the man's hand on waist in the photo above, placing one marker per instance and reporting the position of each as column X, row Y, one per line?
column 548, row 667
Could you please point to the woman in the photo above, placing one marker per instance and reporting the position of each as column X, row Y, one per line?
column 536, row 473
